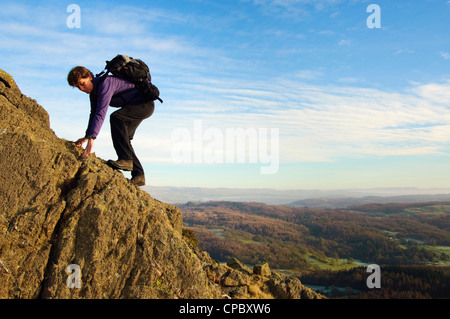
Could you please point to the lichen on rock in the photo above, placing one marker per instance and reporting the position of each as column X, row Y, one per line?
column 59, row 212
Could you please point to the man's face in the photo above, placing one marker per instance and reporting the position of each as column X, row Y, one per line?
column 85, row 84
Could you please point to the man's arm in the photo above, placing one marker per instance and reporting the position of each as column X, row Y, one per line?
column 99, row 106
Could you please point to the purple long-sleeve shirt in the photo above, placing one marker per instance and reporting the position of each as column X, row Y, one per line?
column 106, row 94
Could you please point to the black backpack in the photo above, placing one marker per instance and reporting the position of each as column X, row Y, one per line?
column 134, row 71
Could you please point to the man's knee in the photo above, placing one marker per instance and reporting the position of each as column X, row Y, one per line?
column 115, row 118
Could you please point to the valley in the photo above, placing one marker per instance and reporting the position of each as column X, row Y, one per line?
column 309, row 241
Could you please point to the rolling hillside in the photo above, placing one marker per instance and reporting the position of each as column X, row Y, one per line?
column 329, row 249
column 299, row 238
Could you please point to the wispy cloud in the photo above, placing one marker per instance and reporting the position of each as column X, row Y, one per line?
column 317, row 122
column 299, row 8
column 345, row 42
column 445, row 55
column 308, row 74
column 323, row 123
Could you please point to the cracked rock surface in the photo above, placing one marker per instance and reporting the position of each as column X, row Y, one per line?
column 60, row 214
column 57, row 210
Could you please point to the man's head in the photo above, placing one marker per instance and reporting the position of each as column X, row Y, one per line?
column 81, row 78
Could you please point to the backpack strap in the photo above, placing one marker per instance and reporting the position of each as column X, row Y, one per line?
column 103, row 73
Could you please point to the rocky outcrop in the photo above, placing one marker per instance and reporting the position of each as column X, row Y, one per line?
column 239, row 281
column 73, row 228
column 57, row 210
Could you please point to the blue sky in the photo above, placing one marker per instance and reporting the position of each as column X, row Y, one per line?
column 355, row 107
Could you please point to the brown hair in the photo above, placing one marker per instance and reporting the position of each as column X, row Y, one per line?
column 77, row 73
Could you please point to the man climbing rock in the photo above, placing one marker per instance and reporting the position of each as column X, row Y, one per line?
column 133, row 106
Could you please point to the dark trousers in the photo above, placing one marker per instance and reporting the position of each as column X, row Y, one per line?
column 124, row 123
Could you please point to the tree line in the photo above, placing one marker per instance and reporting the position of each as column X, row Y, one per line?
column 397, row 282
column 283, row 235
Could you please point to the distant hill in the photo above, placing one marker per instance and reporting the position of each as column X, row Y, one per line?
column 310, row 198
column 354, row 201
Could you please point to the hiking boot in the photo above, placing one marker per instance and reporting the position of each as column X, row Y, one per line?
column 138, row 180
column 124, row 165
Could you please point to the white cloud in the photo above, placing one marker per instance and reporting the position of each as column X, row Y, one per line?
column 445, row 55
column 316, row 122
column 319, row 123
column 299, row 8
column 308, row 74
column 345, row 42
column 435, row 93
